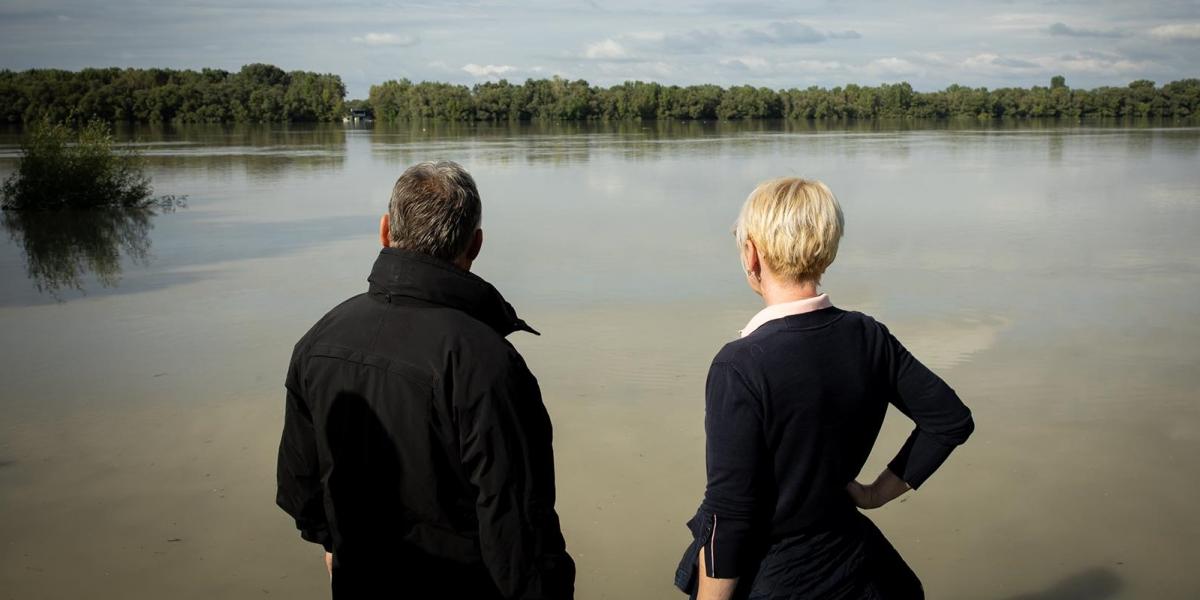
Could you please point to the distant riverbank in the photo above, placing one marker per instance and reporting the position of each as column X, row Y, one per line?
column 265, row 93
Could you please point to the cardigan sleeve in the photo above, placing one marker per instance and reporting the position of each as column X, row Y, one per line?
column 942, row 420
column 734, row 448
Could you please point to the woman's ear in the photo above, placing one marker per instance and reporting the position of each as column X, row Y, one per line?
column 753, row 265
column 750, row 259
column 385, row 231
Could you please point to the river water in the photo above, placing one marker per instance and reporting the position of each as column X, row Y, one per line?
column 1050, row 273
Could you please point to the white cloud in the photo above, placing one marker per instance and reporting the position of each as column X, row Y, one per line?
column 688, row 42
column 784, row 32
column 606, row 49
column 1095, row 63
column 1018, row 21
column 891, row 66
column 385, row 39
column 813, row 66
column 1177, row 32
column 848, row 34
column 488, row 70
column 698, row 40
column 750, row 63
column 793, row 68
column 637, row 69
column 1060, row 28
column 1084, row 63
column 660, row 68
column 933, row 58
column 646, row 36
column 994, row 64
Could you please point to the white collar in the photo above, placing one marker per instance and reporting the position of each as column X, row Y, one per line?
column 786, row 309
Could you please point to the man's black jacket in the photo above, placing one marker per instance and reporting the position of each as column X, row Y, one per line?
column 416, row 446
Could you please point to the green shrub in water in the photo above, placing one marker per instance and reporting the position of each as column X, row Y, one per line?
column 61, row 167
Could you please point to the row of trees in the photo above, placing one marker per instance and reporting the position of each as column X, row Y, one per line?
column 260, row 93
column 256, row 93
column 560, row 99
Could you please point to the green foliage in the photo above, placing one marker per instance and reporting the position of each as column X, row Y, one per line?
column 563, row 100
column 264, row 93
column 359, row 104
column 61, row 167
column 257, row 93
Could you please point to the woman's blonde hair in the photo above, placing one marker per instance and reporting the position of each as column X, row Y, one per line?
column 796, row 225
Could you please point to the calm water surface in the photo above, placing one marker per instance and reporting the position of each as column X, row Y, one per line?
column 1050, row 274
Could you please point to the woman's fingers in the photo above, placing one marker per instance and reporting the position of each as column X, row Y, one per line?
column 863, row 495
column 855, row 489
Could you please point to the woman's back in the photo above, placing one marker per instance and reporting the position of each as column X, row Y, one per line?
column 818, row 385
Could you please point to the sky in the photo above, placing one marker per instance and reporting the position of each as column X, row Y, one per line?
column 930, row 44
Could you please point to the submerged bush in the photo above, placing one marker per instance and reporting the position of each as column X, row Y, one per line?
column 61, row 167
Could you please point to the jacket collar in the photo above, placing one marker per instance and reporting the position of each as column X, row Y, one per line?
column 401, row 273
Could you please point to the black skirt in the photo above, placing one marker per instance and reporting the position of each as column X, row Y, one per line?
column 849, row 560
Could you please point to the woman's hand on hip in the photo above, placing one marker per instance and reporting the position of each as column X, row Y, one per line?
column 887, row 487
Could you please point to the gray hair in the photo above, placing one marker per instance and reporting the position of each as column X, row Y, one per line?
column 434, row 210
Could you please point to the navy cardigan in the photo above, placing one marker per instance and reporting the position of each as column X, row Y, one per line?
column 792, row 411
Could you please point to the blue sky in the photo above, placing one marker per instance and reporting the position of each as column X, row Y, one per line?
column 930, row 44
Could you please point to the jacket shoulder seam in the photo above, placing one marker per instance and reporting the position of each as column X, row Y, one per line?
column 361, row 357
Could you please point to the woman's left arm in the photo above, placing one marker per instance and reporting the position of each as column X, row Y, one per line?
column 711, row 588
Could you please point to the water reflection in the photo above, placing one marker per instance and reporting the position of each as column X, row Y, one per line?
column 258, row 163
column 261, row 151
column 296, row 135
column 63, row 247
column 264, row 151
column 573, row 143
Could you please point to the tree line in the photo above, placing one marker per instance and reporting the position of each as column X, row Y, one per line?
column 264, row 93
column 561, row 99
column 256, row 93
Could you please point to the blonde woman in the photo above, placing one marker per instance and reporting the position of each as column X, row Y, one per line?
column 792, row 410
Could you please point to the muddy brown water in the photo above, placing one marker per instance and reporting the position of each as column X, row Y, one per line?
column 1050, row 274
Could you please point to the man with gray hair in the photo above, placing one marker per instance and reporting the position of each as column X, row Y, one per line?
column 416, row 448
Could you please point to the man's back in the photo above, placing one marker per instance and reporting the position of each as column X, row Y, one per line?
column 416, row 446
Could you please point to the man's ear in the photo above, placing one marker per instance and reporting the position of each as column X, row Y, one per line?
column 476, row 245
column 385, row 231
